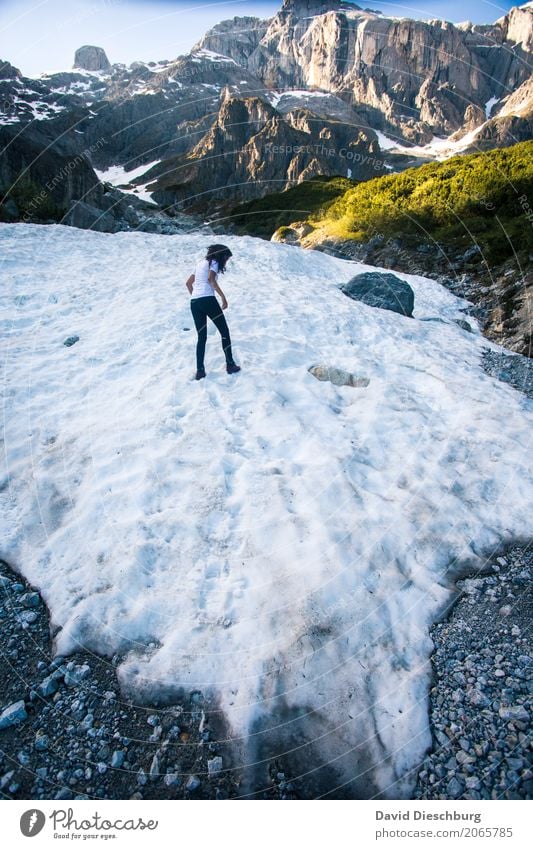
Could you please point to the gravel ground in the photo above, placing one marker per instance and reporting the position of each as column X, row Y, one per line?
column 67, row 733
column 481, row 697
column 514, row 369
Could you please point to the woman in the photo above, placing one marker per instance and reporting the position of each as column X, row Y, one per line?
column 202, row 286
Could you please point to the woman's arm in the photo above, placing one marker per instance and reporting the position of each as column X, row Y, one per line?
column 213, row 280
column 189, row 283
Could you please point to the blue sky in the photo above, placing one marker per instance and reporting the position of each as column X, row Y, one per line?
column 42, row 35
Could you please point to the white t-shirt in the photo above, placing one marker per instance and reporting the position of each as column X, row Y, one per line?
column 201, row 288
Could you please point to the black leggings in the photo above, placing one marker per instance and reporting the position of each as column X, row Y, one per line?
column 201, row 309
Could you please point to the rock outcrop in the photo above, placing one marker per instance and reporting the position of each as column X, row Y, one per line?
column 91, row 58
column 417, row 75
column 252, row 150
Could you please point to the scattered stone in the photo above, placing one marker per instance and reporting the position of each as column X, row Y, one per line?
column 117, row 759
column 70, row 341
column 41, row 741
column 214, row 766
column 13, row 714
column 30, row 599
column 75, row 675
column 192, row 783
column 517, row 712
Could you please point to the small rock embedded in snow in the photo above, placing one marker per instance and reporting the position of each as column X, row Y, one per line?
column 13, row 714
column 337, row 376
column 71, row 340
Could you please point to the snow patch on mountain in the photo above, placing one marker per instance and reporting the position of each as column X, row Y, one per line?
column 276, row 541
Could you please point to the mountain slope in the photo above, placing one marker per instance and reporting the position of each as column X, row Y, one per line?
column 278, row 542
column 463, row 222
column 326, row 76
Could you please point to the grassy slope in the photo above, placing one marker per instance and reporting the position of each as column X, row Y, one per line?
column 263, row 216
column 467, row 199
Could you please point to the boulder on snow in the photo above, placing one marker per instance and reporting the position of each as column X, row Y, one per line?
column 337, row 376
column 91, row 58
column 385, row 291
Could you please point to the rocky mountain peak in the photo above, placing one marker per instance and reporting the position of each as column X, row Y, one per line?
column 8, row 71
column 316, row 7
column 91, row 58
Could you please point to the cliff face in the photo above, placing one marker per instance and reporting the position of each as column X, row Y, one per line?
column 261, row 104
column 417, row 75
column 252, row 150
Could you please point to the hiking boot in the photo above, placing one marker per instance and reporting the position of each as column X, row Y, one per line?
column 199, row 374
column 232, row 368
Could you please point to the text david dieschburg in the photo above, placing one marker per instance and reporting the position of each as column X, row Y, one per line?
column 427, row 815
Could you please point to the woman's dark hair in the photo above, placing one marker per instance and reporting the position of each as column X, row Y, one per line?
column 221, row 253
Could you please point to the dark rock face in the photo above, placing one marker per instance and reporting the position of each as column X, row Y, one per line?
column 88, row 217
column 385, row 291
column 91, row 58
column 252, row 150
column 40, row 178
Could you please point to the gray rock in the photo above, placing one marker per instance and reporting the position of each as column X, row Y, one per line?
column 75, row 675
column 513, row 712
column 192, row 783
column 377, row 289
column 42, row 742
column 454, row 788
column 91, row 58
column 117, row 759
column 30, row 599
column 13, row 714
column 337, row 376
column 155, row 766
column 70, row 341
column 464, row 325
column 214, row 765
column 29, row 616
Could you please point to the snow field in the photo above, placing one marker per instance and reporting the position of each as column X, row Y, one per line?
column 277, row 542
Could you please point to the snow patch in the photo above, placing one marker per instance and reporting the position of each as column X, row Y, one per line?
column 278, row 542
